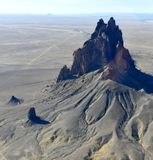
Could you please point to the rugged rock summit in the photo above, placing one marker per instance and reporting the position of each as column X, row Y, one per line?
column 105, row 51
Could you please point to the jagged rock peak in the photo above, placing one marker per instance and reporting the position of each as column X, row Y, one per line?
column 98, row 51
column 111, row 23
column 110, row 31
column 105, row 51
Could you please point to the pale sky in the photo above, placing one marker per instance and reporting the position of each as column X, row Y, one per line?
column 75, row 6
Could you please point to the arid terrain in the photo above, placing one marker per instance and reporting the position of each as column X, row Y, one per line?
column 32, row 52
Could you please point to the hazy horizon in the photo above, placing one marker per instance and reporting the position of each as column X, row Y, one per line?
column 60, row 7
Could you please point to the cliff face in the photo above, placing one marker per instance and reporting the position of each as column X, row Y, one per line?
column 105, row 51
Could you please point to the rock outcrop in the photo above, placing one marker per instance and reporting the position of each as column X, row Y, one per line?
column 105, row 51
column 34, row 119
column 15, row 101
column 98, row 51
column 64, row 74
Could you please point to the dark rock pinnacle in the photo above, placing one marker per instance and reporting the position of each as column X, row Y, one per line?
column 34, row 119
column 105, row 51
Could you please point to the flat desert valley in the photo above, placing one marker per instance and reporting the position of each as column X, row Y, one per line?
column 32, row 51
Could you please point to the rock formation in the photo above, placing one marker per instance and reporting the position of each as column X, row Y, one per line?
column 105, row 51
column 34, row 119
column 64, row 74
column 15, row 101
column 92, row 117
column 31, row 114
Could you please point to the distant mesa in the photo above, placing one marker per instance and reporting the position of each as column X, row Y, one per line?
column 34, row 119
column 15, row 101
column 105, row 51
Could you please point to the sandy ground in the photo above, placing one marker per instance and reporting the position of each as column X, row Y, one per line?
column 31, row 55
